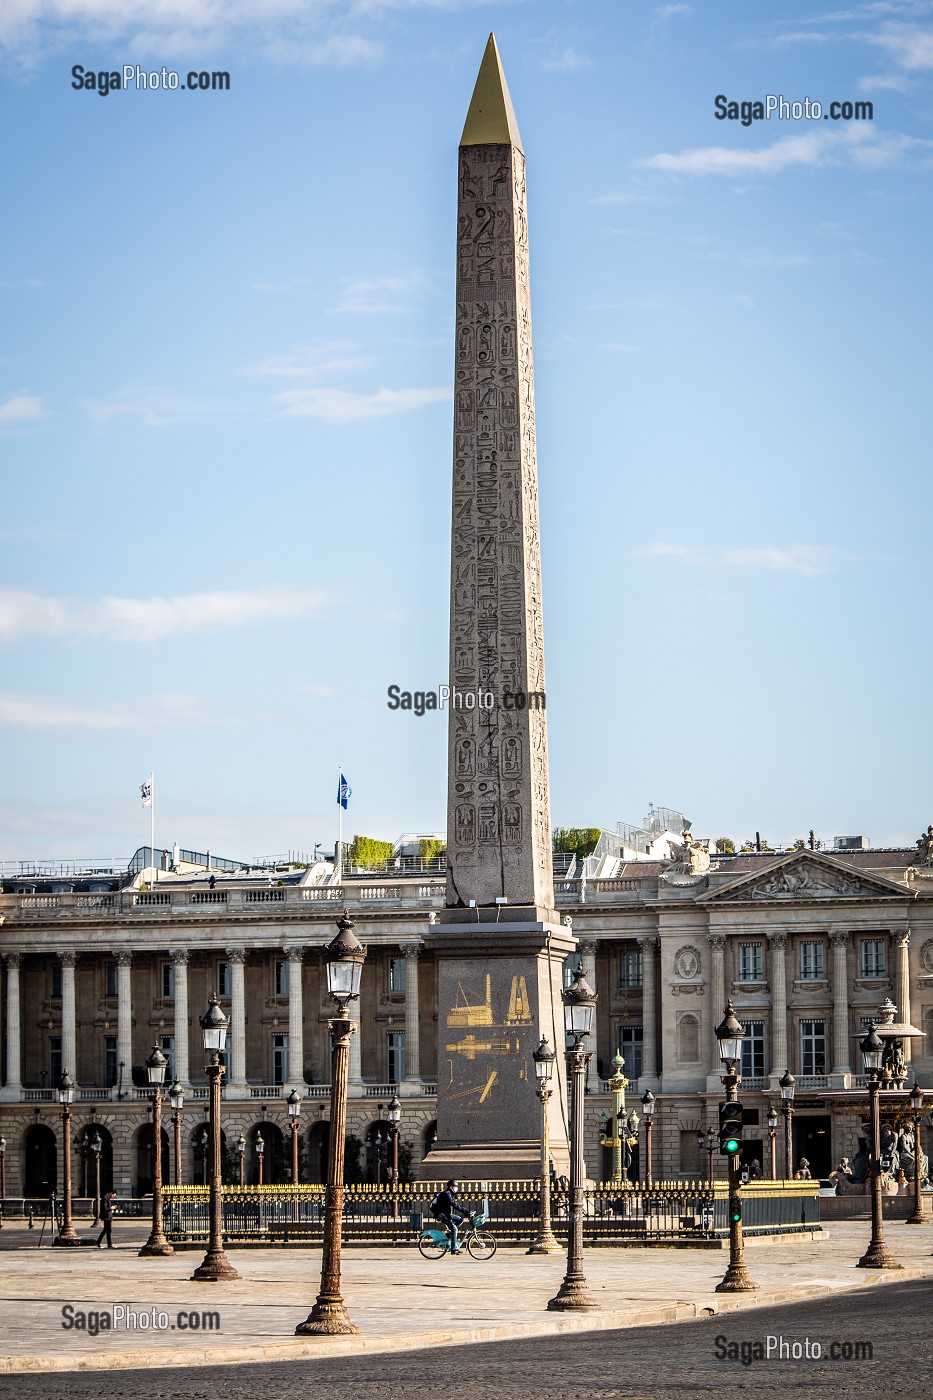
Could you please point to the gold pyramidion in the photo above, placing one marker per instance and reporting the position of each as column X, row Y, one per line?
column 491, row 119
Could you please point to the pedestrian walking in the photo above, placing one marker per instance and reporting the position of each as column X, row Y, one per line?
column 106, row 1216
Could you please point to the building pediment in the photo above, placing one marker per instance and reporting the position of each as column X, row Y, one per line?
column 806, row 875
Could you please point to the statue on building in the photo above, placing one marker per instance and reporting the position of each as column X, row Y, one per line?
column 690, row 857
column 925, row 847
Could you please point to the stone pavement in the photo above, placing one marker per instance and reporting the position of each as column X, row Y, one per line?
column 399, row 1300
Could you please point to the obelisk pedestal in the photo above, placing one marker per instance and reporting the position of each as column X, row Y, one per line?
column 500, row 946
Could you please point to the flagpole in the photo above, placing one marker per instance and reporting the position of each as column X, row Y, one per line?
column 339, row 825
column 155, row 872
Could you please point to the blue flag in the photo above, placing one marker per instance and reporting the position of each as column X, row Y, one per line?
column 344, row 792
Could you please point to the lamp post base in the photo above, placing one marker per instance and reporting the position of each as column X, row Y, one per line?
column 545, row 1244
column 216, row 1268
column 878, row 1256
column 572, row 1294
column 156, row 1246
column 66, row 1239
column 918, row 1218
column 737, row 1280
column 328, row 1318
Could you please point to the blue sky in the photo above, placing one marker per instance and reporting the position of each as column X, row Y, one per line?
column 225, row 377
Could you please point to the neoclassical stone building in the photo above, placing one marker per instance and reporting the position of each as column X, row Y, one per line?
column 97, row 969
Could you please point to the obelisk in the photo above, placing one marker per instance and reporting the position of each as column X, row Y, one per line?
column 500, row 946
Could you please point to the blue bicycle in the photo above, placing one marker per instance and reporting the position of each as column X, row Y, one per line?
column 434, row 1242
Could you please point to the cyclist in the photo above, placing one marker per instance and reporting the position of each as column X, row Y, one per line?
column 448, row 1211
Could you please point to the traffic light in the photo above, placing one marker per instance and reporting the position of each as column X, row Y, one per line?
column 735, row 1210
column 730, row 1128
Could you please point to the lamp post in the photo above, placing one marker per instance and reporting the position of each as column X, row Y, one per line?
column 156, row 1244
column 788, row 1086
column 344, row 962
column 241, row 1153
column 394, row 1115
column 579, row 1011
column 773, row 1120
column 617, row 1086
column 729, row 1033
column 630, row 1140
column 66, row 1093
column 706, row 1141
column 294, row 1114
column 215, row 1266
column 176, row 1097
column 647, row 1107
column 544, row 1059
column 260, row 1146
column 2, row 1177
column 916, row 1107
column 877, row 1255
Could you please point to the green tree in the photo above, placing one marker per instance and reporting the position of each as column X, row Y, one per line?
column 431, row 848
column 366, row 851
column 578, row 841
column 725, row 845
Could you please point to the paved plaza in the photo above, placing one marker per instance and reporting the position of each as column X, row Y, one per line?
column 400, row 1301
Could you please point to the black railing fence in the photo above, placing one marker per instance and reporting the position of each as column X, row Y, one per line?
column 663, row 1213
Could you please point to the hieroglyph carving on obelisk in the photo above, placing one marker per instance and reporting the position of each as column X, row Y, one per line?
column 498, row 820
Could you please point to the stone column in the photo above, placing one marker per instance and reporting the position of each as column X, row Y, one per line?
column 902, row 983
column 841, row 1051
column 69, row 1038
column 125, row 1023
column 13, row 1085
column 777, row 976
column 412, row 1081
column 717, row 993
column 180, row 964
column 649, row 1015
column 587, row 952
column 236, row 957
column 296, row 1020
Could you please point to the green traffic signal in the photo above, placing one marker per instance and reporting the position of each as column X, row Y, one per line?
column 731, row 1146
column 735, row 1210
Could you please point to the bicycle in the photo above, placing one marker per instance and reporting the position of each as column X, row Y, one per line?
column 434, row 1242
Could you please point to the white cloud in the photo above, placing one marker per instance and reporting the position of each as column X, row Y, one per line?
column 153, row 405
column 910, row 45
column 382, row 295
column 341, row 406
column 19, row 408
column 337, row 51
column 24, row 614
column 666, row 12
column 312, row 362
column 859, row 145
column 23, row 711
column 567, row 61
column 806, row 559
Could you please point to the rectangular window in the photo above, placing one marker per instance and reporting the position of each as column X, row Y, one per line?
column 55, row 1061
column 56, row 979
column 110, row 974
column 811, row 959
column 281, row 979
column 630, row 970
column 812, row 1047
column 110, row 1060
column 395, row 1048
column 750, row 962
column 570, row 966
column 168, row 979
column 280, row 1057
column 223, row 979
column 873, row 957
column 630, row 1043
column 396, row 974
column 753, row 1050
column 167, row 1046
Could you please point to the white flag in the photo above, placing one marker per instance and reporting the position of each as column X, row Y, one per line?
column 145, row 792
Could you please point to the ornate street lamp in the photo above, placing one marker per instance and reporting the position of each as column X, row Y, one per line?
column 916, row 1107
column 877, row 1255
column 66, row 1093
column 2, row 1176
column 773, row 1121
column 344, row 963
column 156, row 1244
column 648, row 1107
column 544, row 1059
column 94, row 1147
column 394, row 1115
column 729, row 1033
column 215, row 1267
column 617, row 1086
column 260, row 1146
column 241, row 1153
column 294, row 1116
column 176, row 1097
column 706, row 1141
column 579, row 1012
column 788, row 1086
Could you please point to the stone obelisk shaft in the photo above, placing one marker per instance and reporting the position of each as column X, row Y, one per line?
column 498, row 821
